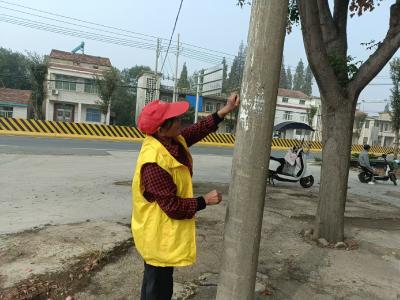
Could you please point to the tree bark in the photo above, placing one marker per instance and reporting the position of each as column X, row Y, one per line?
column 252, row 150
column 396, row 144
column 336, row 139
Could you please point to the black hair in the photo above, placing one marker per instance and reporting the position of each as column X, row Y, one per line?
column 367, row 147
column 168, row 123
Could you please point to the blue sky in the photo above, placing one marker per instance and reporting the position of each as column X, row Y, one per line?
column 219, row 25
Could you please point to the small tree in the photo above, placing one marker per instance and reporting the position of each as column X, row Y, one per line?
column 107, row 86
column 224, row 75
column 38, row 72
column 395, row 102
column 298, row 79
column 289, row 79
column 308, row 77
column 236, row 73
column 283, row 78
column 359, row 120
column 183, row 82
column 311, row 112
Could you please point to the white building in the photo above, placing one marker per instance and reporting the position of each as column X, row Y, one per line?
column 71, row 90
column 294, row 106
column 291, row 105
column 14, row 103
column 148, row 89
column 376, row 131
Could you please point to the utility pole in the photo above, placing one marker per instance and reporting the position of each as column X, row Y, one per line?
column 196, row 111
column 175, row 96
column 253, row 147
column 158, row 50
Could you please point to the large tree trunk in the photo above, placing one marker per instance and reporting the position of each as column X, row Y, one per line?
column 337, row 122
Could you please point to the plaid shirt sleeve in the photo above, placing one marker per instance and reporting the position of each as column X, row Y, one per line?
column 159, row 186
column 200, row 130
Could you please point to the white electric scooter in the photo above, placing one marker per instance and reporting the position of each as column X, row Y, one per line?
column 294, row 169
column 279, row 169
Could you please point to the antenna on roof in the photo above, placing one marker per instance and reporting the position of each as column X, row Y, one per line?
column 80, row 47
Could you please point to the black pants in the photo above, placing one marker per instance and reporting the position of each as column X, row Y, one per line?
column 157, row 283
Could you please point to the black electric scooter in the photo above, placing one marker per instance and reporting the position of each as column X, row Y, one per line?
column 366, row 175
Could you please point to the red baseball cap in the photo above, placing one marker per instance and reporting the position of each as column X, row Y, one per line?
column 154, row 114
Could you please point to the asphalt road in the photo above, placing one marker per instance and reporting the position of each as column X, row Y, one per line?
column 55, row 146
column 58, row 181
column 58, row 146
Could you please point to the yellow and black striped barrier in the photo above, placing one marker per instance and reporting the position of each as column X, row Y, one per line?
column 30, row 127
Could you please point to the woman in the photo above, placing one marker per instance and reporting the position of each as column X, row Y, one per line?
column 163, row 224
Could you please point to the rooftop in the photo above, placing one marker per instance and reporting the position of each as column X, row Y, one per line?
column 15, row 96
column 81, row 58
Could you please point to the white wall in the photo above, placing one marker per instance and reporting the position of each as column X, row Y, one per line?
column 70, row 97
column 20, row 112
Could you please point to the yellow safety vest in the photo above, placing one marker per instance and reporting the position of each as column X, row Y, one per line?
column 160, row 240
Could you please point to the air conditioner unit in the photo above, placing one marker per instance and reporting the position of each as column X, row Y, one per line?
column 54, row 92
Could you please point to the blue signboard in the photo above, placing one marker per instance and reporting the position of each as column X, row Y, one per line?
column 192, row 100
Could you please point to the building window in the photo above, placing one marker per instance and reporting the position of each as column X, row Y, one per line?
column 90, row 86
column 285, row 100
column 365, row 140
column 299, row 132
column 377, row 124
column 209, row 107
column 302, row 102
column 150, row 90
column 287, row 115
column 366, row 124
column 6, row 111
column 93, row 115
column 64, row 82
column 303, row 117
column 387, row 127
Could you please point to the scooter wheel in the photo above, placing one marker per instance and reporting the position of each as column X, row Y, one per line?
column 364, row 177
column 307, row 182
column 393, row 178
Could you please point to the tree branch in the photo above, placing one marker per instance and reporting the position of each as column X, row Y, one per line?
column 315, row 47
column 328, row 28
column 381, row 56
column 340, row 13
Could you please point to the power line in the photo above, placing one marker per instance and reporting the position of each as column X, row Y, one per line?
column 172, row 35
column 110, row 27
column 93, row 36
column 145, row 43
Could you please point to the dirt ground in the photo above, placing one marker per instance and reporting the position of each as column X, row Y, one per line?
column 96, row 259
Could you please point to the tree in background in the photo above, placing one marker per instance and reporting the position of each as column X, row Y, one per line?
column 289, row 79
column 236, row 73
column 14, row 70
column 124, row 105
column 283, row 78
column 308, row 77
column 38, row 72
column 298, row 79
column 359, row 120
column 311, row 112
column 107, row 86
column 395, row 102
column 183, row 82
column 188, row 117
column 193, row 81
column 224, row 75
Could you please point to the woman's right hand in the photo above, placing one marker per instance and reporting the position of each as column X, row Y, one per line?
column 213, row 197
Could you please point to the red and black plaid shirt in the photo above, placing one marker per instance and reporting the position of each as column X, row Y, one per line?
column 159, row 185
